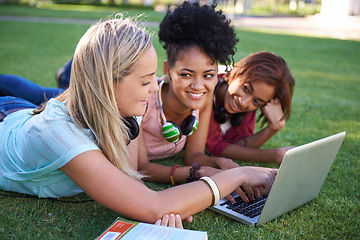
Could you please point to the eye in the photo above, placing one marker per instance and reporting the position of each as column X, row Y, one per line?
column 246, row 89
column 146, row 83
column 185, row 75
column 256, row 103
column 209, row 75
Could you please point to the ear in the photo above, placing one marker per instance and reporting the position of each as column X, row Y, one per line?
column 166, row 68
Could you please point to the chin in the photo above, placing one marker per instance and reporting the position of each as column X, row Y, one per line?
column 140, row 112
column 134, row 113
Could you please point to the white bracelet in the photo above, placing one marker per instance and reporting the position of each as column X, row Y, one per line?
column 214, row 189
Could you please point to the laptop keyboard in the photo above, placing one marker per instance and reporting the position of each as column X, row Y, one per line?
column 250, row 209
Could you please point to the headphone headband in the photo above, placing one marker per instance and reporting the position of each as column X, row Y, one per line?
column 220, row 113
column 160, row 103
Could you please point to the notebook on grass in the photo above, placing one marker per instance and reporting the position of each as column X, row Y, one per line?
column 299, row 180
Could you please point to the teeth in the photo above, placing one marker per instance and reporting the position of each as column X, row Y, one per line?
column 196, row 95
column 234, row 103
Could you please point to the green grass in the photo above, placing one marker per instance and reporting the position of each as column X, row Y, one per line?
column 326, row 101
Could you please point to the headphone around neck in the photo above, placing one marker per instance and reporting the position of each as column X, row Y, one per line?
column 220, row 113
column 133, row 127
column 170, row 130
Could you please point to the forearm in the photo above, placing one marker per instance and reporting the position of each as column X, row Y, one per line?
column 212, row 165
column 237, row 152
column 202, row 159
column 114, row 189
column 161, row 173
column 259, row 138
column 191, row 198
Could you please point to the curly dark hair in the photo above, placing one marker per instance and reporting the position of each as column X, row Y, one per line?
column 192, row 25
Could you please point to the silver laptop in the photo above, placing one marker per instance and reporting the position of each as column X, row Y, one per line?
column 299, row 180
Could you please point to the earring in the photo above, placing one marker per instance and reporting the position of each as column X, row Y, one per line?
column 166, row 78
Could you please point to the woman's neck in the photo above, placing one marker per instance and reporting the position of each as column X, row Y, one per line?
column 174, row 110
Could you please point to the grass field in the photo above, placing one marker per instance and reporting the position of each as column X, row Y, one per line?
column 326, row 101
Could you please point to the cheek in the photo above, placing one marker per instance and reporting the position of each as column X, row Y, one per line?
column 124, row 99
column 211, row 84
column 227, row 102
column 235, row 89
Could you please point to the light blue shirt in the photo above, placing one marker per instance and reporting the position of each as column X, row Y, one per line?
column 34, row 147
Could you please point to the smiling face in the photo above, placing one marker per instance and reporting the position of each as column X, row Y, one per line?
column 193, row 78
column 132, row 92
column 247, row 96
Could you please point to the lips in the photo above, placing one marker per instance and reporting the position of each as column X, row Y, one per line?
column 236, row 106
column 144, row 101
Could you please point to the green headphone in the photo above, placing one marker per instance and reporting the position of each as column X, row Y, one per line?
column 170, row 130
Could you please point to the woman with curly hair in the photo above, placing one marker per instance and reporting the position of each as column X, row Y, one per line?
column 196, row 38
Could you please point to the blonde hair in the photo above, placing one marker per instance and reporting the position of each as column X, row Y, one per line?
column 106, row 53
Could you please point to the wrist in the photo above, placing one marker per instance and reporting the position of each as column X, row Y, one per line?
column 172, row 174
column 225, row 163
column 206, row 171
column 275, row 127
column 194, row 174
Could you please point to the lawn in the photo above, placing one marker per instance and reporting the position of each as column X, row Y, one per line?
column 326, row 101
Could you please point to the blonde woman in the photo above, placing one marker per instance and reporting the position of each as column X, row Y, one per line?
column 77, row 141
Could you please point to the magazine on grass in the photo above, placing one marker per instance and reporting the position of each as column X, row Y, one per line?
column 130, row 230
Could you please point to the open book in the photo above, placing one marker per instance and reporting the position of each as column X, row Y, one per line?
column 127, row 230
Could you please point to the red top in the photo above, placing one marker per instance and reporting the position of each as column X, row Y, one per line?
column 217, row 142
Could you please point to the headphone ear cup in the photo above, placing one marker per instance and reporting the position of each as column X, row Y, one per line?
column 189, row 125
column 171, row 132
column 236, row 119
column 221, row 115
column 133, row 127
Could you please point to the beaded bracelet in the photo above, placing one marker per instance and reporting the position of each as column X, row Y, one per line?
column 214, row 189
column 194, row 174
column 172, row 173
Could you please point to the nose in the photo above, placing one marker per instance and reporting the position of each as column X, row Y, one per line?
column 154, row 85
column 197, row 83
column 244, row 101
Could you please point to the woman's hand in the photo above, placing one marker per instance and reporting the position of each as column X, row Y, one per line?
column 206, row 171
column 226, row 163
column 251, row 193
column 280, row 153
column 274, row 114
column 259, row 179
column 172, row 220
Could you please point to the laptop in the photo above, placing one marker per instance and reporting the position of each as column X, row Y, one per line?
column 299, row 180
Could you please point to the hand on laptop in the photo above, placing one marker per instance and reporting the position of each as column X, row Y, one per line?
column 256, row 183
